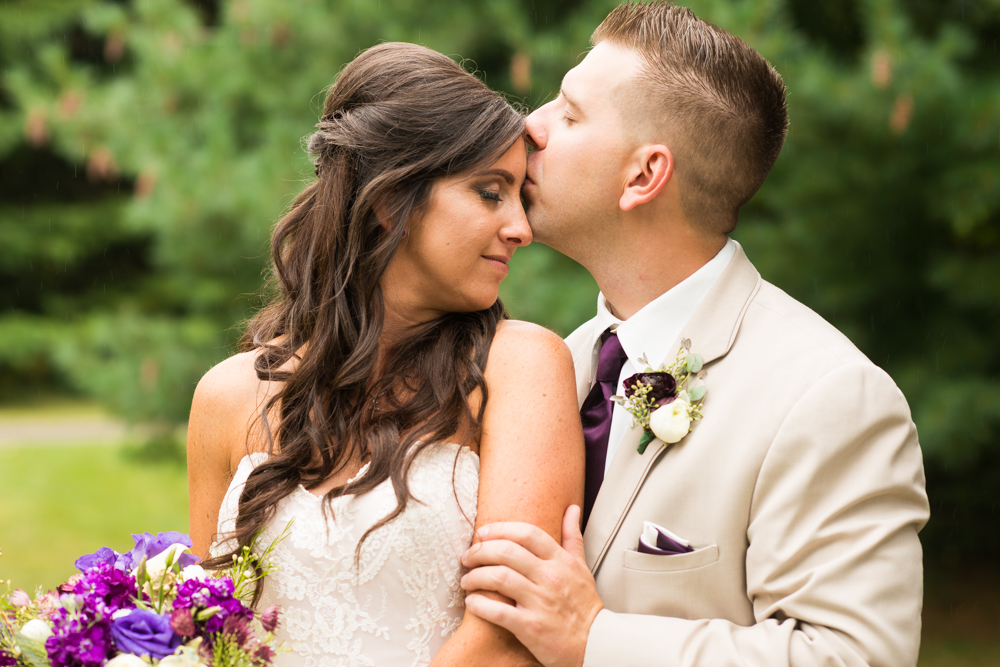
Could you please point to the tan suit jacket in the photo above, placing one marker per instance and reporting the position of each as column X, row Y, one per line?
column 801, row 489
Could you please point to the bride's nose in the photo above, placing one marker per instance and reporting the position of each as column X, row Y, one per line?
column 515, row 229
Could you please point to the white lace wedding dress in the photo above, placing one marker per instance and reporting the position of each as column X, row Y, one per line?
column 404, row 601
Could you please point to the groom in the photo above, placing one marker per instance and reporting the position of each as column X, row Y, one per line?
column 782, row 530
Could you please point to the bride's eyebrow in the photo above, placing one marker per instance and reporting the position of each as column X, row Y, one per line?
column 503, row 173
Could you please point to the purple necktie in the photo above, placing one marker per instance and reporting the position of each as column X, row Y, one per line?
column 596, row 416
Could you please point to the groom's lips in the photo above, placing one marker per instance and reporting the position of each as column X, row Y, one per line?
column 528, row 183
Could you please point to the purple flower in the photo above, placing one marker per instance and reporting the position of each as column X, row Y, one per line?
column 199, row 594
column 229, row 609
column 662, row 383
column 102, row 555
column 143, row 632
column 81, row 637
column 271, row 618
column 204, row 593
column 148, row 545
column 6, row 659
column 115, row 588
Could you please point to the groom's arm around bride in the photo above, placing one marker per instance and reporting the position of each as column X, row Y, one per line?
column 800, row 492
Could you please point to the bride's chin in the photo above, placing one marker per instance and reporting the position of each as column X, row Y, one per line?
column 479, row 303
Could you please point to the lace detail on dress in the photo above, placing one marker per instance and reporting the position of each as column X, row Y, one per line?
column 404, row 600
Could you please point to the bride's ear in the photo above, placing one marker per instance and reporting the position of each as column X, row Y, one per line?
column 651, row 170
column 384, row 219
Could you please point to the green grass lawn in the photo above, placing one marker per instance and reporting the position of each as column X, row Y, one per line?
column 58, row 502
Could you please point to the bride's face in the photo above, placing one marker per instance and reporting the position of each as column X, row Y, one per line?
column 454, row 256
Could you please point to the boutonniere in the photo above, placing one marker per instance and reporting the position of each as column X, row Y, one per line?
column 667, row 401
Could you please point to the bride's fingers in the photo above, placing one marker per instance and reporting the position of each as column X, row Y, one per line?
column 505, row 553
column 502, row 580
column 531, row 537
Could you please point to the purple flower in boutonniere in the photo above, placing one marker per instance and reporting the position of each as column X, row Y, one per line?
column 661, row 385
column 667, row 401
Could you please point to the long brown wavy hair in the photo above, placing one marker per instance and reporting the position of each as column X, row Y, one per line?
column 398, row 118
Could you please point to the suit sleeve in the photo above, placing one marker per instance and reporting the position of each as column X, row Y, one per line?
column 833, row 561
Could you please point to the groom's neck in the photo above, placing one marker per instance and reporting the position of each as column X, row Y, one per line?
column 646, row 268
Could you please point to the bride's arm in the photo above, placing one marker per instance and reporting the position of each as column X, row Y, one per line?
column 531, row 462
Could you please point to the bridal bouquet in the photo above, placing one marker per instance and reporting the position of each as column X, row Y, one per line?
column 154, row 605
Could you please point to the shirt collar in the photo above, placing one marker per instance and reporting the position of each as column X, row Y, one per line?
column 657, row 325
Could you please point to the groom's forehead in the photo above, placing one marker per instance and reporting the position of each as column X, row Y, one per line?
column 604, row 65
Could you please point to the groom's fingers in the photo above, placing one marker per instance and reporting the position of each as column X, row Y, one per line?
column 502, row 580
column 507, row 616
column 531, row 537
column 506, row 553
column 572, row 538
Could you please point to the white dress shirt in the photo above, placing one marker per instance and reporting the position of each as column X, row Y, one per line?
column 652, row 331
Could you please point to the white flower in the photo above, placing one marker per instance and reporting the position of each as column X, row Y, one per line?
column 156, row 565
column 126, row 660
column 193, row 571
column 185, row 656
column 673, row 421
column 37, row 630
column 181, row 661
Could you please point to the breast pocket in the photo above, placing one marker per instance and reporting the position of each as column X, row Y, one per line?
column 680, row 585
column 634, row 560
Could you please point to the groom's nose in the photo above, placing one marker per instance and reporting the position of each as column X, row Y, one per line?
column 535, row 129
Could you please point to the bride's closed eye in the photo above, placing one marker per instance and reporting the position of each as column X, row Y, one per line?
column 490, row 195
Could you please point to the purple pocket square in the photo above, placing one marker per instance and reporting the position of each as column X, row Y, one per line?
column 659, row 541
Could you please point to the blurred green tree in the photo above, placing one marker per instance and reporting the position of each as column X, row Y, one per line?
column 883, row 214
column 181, row 124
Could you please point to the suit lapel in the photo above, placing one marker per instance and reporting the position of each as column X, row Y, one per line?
column 712, row 330
column 627, row 472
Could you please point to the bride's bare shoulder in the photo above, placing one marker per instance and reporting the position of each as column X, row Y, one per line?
column 227, row 404
column 519, row 345
column 234, row 382
column 518, row 333
column 229, row 382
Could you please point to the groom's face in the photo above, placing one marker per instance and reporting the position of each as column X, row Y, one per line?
column 575, row 171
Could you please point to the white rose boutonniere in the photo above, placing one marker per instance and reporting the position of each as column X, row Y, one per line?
column 666, row 402
column 672, row 422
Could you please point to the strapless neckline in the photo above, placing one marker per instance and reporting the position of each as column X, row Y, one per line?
column 260, row 457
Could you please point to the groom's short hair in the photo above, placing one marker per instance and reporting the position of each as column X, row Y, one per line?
column 717, row 104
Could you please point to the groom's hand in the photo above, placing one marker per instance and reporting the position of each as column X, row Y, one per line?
column 555, row 599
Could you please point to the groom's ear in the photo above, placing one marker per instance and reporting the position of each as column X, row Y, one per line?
column 649, row 174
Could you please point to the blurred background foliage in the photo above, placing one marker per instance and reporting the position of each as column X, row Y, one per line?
column 147, row 147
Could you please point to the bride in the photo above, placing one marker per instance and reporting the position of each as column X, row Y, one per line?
column 383, row 403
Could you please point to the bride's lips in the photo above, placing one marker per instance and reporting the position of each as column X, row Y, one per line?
column 498, row 261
